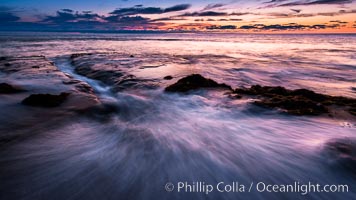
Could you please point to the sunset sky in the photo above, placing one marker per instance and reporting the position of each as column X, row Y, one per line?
column 171, row 15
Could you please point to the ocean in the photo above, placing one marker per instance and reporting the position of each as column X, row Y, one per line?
column 201, row 138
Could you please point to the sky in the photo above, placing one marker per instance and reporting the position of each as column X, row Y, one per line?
column 258, row 16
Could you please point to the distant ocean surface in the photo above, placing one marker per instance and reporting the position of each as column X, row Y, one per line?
column 322, row 62
column 199, row 137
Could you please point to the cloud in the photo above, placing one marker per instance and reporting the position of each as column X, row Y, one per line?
column 316, row 2
column 213, row 6
column 139, row 9
column 234, row 19
column 286, row 3
column 338, row 21
column 67, row 19
column 300, row 15
column 67, row 15
column 296, row 10
column 213, row 20
column 176, row 8
column 204, row 14
column 275, row 1
column 226, row 27
column 170, row 19
column 330, row 2
column 209, row 18
column 287, row 27
column 127, row 19
column 67, row 10
column 7, row 15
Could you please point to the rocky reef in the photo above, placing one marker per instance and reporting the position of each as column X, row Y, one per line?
column 194, row 82
column 295, row 102
column 33, row 91
column 45, row 100
column 6, row 88
column 110, row 70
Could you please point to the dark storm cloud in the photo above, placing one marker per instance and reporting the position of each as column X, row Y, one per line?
column 149, row 10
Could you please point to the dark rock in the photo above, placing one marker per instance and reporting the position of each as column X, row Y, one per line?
column 106, row 76
column 70, row 82
column 132, row 56
column 297, row 102
column 297, row 105
column 102, row 112
column 193, row 82
column 308, row 94
column 45, row 100
column 168, row 78
column 128, row 82
column 342, row 154
column 76, row 55
column 352, row 111
column 83, row 87
column 35, row 67
column 9, row 89
column 265, row 90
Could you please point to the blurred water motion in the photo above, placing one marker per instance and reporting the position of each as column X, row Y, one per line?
column 157, row 138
